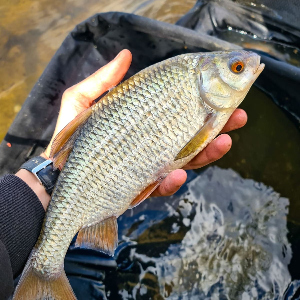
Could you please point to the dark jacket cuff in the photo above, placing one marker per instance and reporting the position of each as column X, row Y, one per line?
column 21, row 217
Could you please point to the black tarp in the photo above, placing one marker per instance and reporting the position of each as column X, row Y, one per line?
column 272, row 26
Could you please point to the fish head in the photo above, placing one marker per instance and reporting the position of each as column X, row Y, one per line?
column 227, row 76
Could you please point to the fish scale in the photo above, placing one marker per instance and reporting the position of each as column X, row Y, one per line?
column 151, row 124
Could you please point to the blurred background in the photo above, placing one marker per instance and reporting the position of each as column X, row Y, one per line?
column 32, row 30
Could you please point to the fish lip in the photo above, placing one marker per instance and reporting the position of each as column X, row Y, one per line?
column 259, row 69
column 257, row 72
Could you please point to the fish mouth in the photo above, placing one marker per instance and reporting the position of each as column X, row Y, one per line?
column 259, row 70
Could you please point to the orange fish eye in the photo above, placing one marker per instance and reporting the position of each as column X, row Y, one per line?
column 237, row 66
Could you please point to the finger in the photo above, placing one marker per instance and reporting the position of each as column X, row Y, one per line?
column 81, row 96
column 237, row 120
column 102, row 80
column 171, row 184
column 214, row 151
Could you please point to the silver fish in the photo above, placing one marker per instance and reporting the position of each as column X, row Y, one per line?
column 119, row 150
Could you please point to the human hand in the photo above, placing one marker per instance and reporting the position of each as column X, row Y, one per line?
column 82, row 95
column 75, row 100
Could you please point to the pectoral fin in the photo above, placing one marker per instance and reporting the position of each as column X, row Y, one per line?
column 102, row 236
column 61, row 157
column 199, row 138
column 64, row 140
column 145, row 193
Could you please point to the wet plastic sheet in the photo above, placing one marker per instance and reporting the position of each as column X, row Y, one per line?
column 147, row 255
column 223, row 237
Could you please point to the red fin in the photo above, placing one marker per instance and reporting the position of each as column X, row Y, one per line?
column 199, row 138
column 61, row 157
column 34, row 287
column 68, row 135
column 145, row 193
column 102, row 236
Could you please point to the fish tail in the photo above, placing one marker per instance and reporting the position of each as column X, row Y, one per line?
column 32, row 286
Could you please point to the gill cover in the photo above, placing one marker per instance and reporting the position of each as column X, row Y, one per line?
column 227, row 77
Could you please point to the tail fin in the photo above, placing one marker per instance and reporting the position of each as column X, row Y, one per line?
column 34, row 287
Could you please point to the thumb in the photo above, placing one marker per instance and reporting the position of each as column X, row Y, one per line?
column 81, row 96
column 99, row 82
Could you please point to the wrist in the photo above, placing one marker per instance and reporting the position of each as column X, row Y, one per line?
column 31, row 180
column 45, row 155
column 38, row 173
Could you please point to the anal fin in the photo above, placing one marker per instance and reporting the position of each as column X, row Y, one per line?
column 198, row 139
column 102, row 236
column 145, row 193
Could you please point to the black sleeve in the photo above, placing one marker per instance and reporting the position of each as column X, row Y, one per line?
column 21, row 216
column 6, row 275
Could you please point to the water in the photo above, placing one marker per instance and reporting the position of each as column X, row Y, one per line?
column 230, row 234
column 235, row 242
column 224, row 237
column 267, row 149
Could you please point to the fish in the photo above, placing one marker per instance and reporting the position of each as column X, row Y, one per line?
column 118, row 151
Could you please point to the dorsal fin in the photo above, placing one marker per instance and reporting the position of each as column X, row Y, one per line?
column 64, row 140
column 145, row 193
column 199, row 138
column 102, row 236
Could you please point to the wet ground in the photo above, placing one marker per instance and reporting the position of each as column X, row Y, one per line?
column 31, row 32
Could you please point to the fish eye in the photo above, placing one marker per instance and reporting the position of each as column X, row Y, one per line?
column 236, row 66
